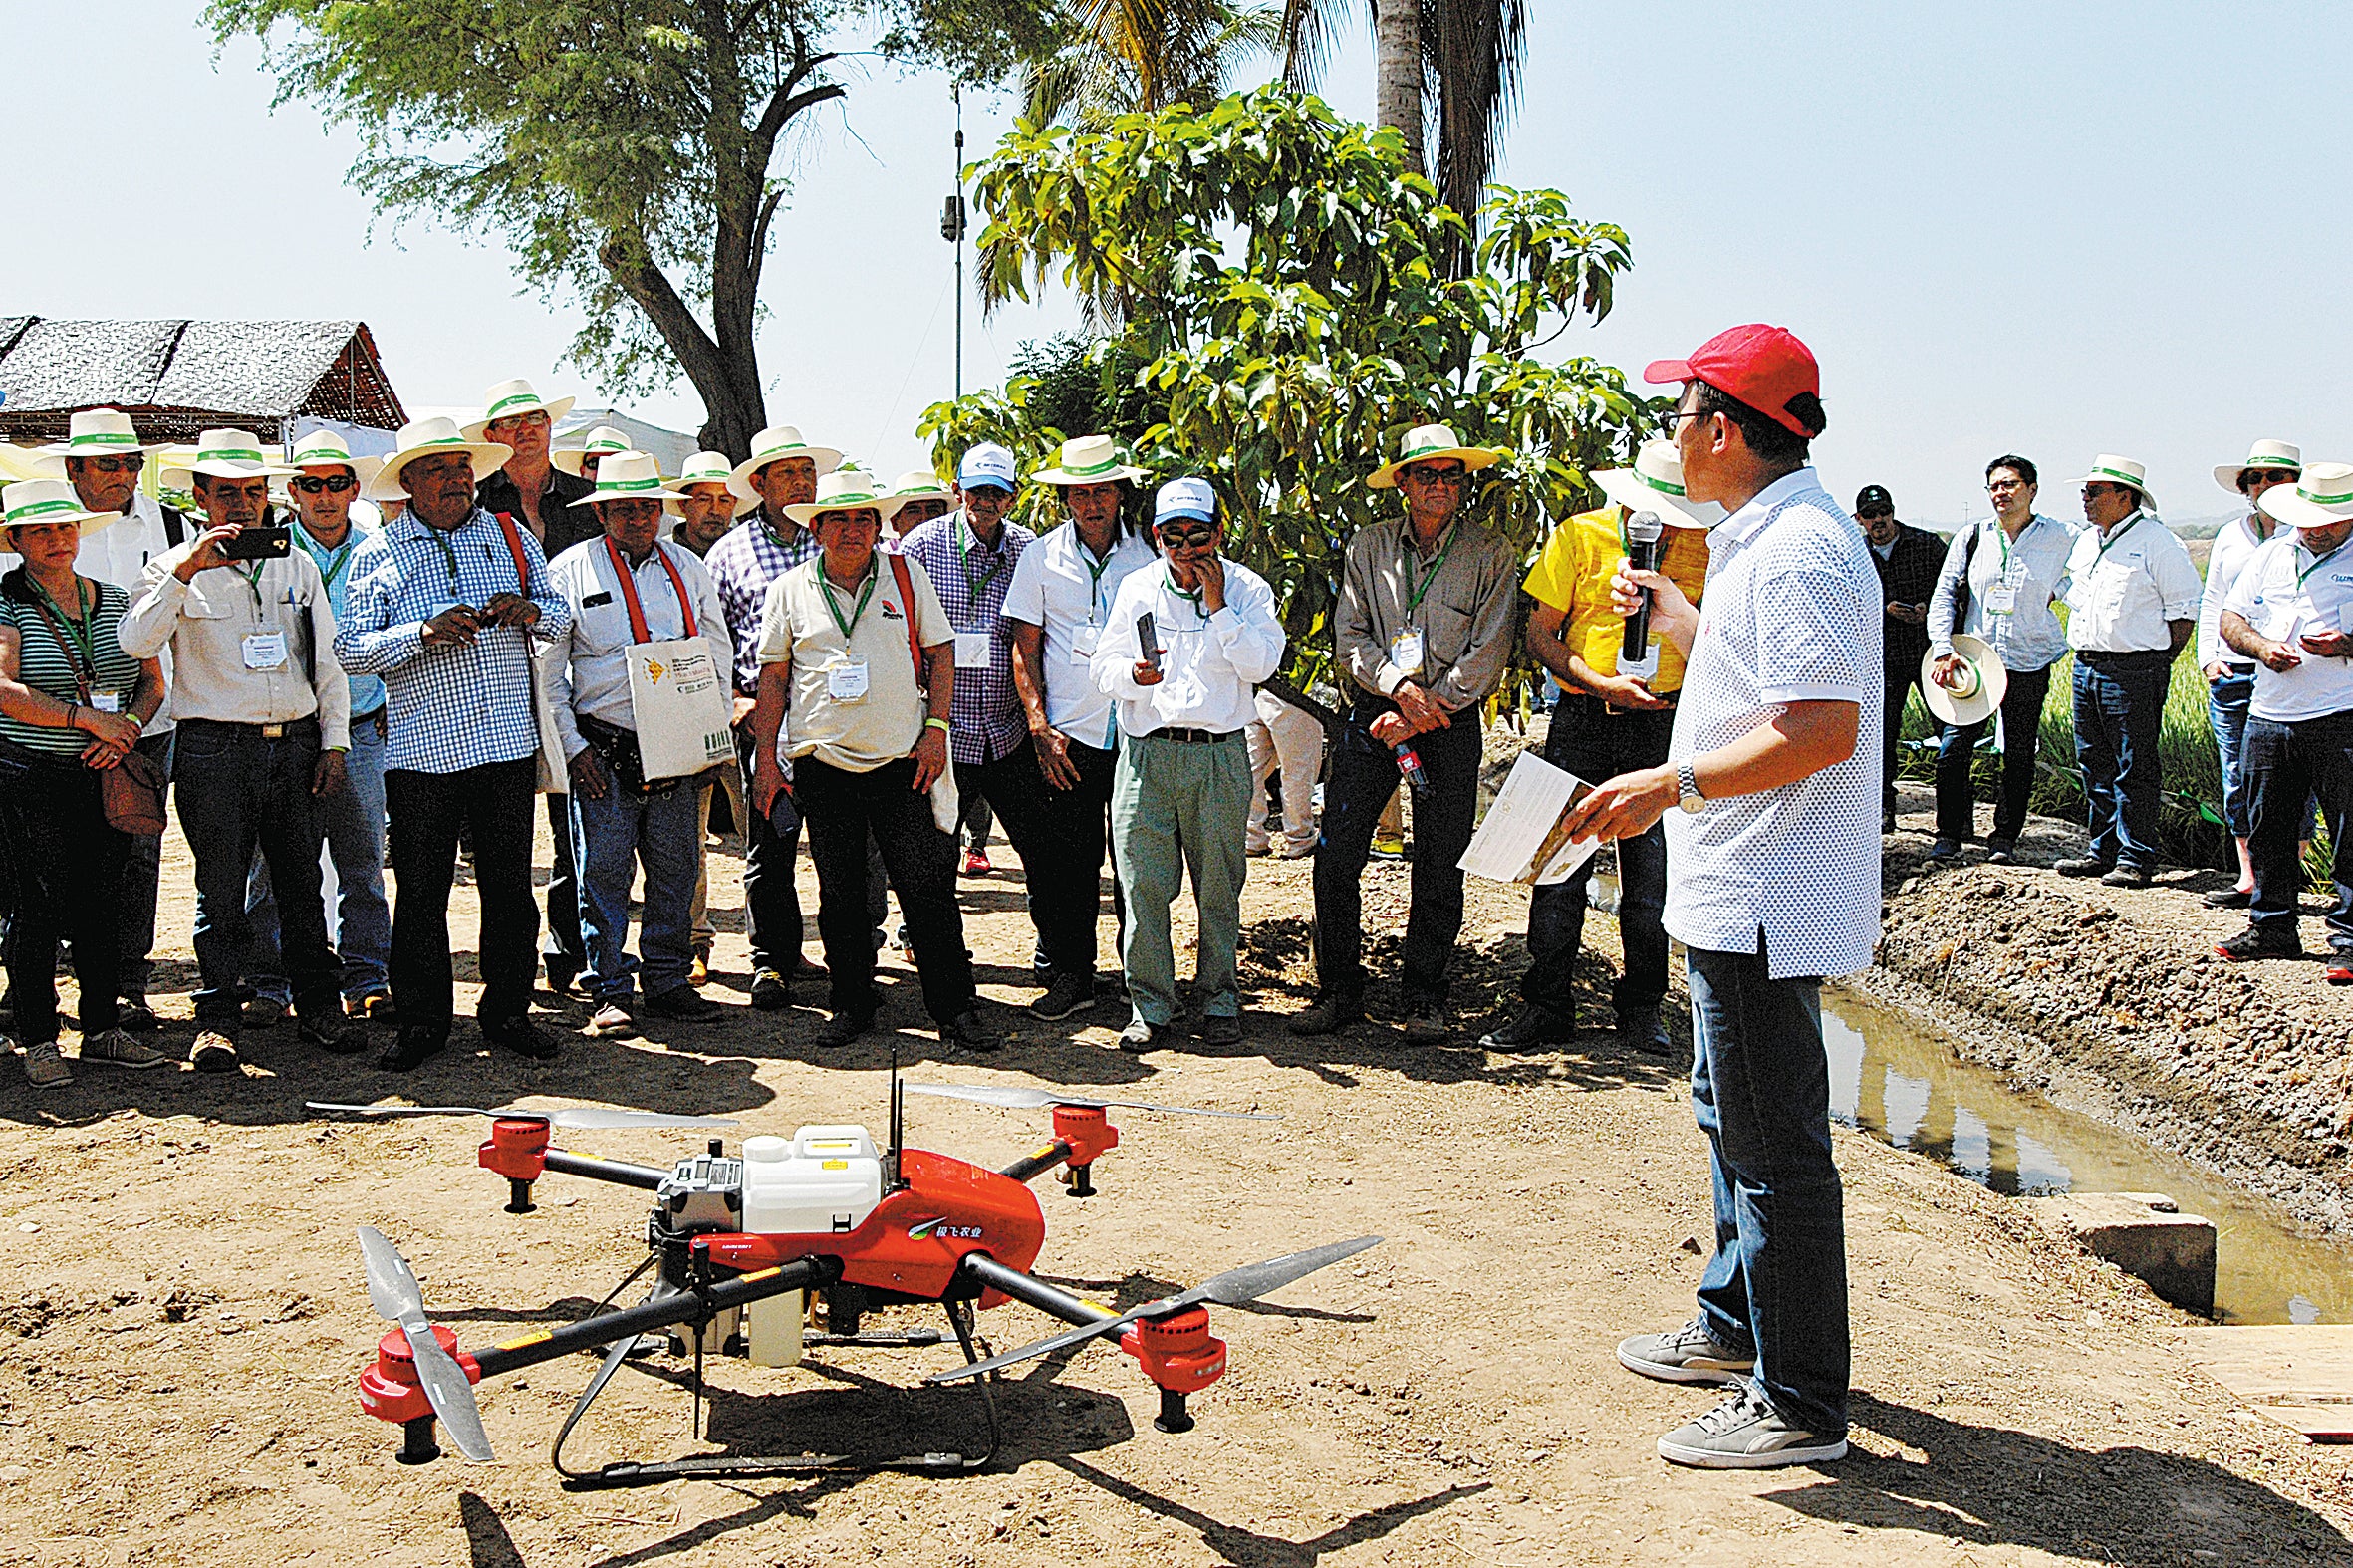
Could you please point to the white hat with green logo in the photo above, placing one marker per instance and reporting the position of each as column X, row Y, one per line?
column 1655, row 484
column 30, row 502
column 715, row 469
column 2322, row 498
column 846, row 490
column 628, row 476
column 228, row 454
column 598, row 442
column 325, row 449
column 1979, row 682
column 509, row 398
column 98, row 432
column 1430, row 443
column 919, row 484
column 2108, row 468
column 431, row 438
column 1090, row 459
column 778, row 443
column 2284, row 456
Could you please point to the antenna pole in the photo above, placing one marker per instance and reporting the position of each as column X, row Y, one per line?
column 958, row 92
column 890, row 1181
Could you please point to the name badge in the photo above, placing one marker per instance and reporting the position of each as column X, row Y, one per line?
column 106, row 701
column 1405, row 651
column 973, row 649
column 1082, row 644
column 2001, row 598
column 265, row 651
column 847, row 681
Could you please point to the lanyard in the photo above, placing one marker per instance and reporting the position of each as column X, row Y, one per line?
column 331, row 567
column 253, row 580
column 628, row 591
column 774, row 537
column 2109, row 543
column 448, row 552
column 1095, row 571
column 973, row 590
column 825, row 586
column 2003, row 536
column 1192, row 595
column 77, row 625
column 1446, row 548
column 2319, row 561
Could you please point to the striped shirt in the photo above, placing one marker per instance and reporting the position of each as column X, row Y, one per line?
column 745, row 562
column 50, row 667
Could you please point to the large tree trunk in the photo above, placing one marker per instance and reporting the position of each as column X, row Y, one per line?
column 1396, row 76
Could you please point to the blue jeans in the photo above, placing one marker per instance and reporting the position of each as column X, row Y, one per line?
column 239, row 793
column 1760, row 1090
column 610, row 838
column 2119, row 709
column 2285, row 764
column 361, row 931
column 2225, row 705
column 1595, row 744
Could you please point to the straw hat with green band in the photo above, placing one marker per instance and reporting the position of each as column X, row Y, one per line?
column 429, row 438
column 715, row 469
column 229, row 455
column 98, row 432
column 2108, row 468
column 2263, row 454
column 2322, row 498
column 916, row 484
column 846, row 490
column 33, row 501
column 774, row 445
column 1981, row 682
column 1655, row 484
column 601, row 440
column 630, row 476
column 325, row 449
column 1090, row 459
column 509, row 398
column 1430, row 443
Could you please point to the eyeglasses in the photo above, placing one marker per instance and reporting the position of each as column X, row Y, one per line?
column 1187, row 539
column 1423, row 473
column 1674, row 416
column 132, row 463
column 1998, row 486
column 311, row 484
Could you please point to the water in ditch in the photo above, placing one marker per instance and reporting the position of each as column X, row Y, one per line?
column 1909, row 1089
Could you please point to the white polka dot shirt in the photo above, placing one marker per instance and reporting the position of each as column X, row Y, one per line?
column 1791, row 615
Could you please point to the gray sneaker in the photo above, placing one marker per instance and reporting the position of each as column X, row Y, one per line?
column 1745, row 1433
column 118, row 1049
column 46, row 1067
column 1686, row 1355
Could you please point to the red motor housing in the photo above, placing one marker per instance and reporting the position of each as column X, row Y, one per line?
column 389, row 1390
column 1088, row 1132
column 1178, row 1352
column 516, row 1149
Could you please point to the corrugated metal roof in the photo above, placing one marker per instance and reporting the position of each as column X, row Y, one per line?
column 264, row 368
column 75, row 364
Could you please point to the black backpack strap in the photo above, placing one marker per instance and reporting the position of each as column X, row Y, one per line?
column 175, row 527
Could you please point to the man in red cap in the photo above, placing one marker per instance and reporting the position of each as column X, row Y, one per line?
column 1772, row 864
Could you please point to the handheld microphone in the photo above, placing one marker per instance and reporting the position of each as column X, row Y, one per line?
column 1642, row 551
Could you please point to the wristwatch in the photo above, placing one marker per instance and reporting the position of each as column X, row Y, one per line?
column 1687, row 789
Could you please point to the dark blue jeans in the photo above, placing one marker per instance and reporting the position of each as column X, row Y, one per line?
column 1591, row 741
column 1760, row 1090
column 2285, row 765
column 239, row 792
column 2021, row 726
column 1363, row 776
column 2119, row 708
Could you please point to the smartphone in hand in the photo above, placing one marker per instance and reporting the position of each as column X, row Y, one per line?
column 1147, row 640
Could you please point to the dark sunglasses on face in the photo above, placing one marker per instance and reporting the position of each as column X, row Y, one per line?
column 311, row 484
column 1997, row 487
column 1187, row 539
column 127, row 464
column 2252, row 478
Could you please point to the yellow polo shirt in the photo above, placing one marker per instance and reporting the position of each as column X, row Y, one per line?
column 1573, row 576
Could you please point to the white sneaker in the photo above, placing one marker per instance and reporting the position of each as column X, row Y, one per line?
column 1745, row 1434
column 118, row 1049
column 610, row 1018
column 1686, row 1355
column 46, row 1067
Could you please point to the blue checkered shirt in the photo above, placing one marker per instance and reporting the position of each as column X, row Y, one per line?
column 447, row 709
column 972, row 579
column 745, row 561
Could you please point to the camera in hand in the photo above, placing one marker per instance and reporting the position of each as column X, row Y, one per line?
column 1642, row 553
column 258, row 544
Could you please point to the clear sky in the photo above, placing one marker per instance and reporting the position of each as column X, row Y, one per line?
column 2054, row 229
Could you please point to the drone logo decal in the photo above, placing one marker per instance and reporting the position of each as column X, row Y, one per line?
column 924, row 1230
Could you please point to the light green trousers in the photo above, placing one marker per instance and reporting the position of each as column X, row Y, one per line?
column 1177, row 806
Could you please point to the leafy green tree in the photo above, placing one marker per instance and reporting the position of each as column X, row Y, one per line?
column 1113, row 57
column 624, row 148
column 1286, row 316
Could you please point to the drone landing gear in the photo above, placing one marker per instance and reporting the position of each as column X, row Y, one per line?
column 745, row 1468
column 416, row 1442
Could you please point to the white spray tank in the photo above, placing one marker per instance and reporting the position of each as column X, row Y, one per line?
column 825, row 1182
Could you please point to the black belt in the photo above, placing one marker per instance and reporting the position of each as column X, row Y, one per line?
column 1586, row 701
column 292, row 726
column 1197, row 737
column 2125, row 660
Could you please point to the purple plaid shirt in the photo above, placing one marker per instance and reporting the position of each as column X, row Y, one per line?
column 972, row 579
column 743, row 562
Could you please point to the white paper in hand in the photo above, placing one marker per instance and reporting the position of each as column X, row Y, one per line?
column 1520, row 840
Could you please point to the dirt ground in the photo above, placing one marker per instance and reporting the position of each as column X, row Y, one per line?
column 184, row 1318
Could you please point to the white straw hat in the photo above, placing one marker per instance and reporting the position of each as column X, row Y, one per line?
column 508, row 398
column 774, row 445
column 919, row 484
column 2263, row 454
column 2322, row 498
column 30, row 502
column 846, row 490
column 2108, row 468
column 1430, row 443
column 1655, row 484
column 715, row 469
column 97, row 432
column 426, row 439
column 1089, row 459
column 229, row 455
column 325, row 448
column 601, row 440
column 1985, row 680
column 628, row 476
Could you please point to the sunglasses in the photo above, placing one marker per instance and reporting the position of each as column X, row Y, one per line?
column 129, row 464
column 1190, row 538
column 1997, row 487
column 311, row 484
column 2252, row 478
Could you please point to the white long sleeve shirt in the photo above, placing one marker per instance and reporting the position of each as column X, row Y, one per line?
column 1210, row 666
column 251, row 643
column 2233, row 549
column 589, row 671
column 119, row 554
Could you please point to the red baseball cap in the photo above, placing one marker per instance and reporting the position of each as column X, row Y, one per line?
column 1764, row 367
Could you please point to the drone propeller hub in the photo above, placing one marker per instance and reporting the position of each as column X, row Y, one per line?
column 1087, row 1130
column 1177, row 1351
column 391, row 1390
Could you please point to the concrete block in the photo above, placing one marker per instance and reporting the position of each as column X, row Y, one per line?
column 2144, row 1234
